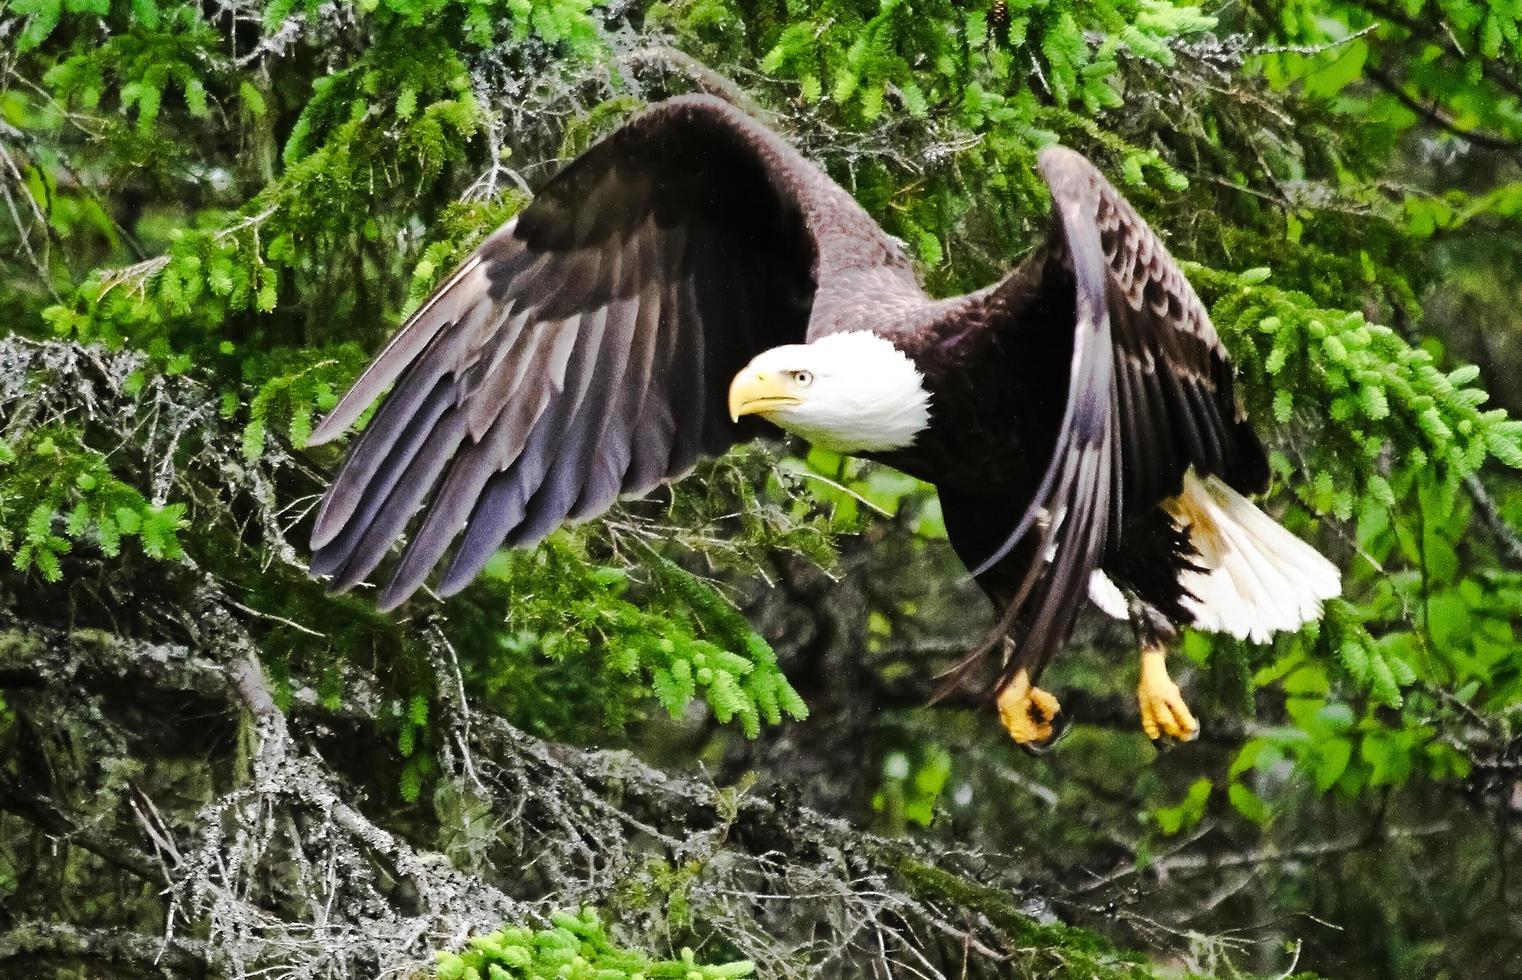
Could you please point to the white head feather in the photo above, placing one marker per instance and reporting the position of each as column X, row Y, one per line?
column 855, row 392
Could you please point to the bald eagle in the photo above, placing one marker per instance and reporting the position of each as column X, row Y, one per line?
column 693, row 274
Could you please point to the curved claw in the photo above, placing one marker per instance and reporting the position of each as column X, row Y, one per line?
column 1060, row 726
column 1032, row 717
column 1163, row 709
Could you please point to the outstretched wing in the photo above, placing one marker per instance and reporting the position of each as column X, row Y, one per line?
column 1149, row 395
column 582, row 352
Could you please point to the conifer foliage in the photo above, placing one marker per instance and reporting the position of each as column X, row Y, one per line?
column 212, row 213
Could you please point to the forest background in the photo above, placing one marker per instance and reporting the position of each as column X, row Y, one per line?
column 694, row 732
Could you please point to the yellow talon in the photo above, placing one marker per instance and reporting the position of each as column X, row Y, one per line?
column 1163, row 711
column 1027, row 712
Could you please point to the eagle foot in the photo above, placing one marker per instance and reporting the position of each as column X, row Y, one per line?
column 1030, row 715
column 1163, row 711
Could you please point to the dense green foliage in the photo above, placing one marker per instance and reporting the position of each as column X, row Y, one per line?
column 244, row 199
column 576, row 948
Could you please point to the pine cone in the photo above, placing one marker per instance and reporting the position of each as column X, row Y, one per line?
column 998, row 21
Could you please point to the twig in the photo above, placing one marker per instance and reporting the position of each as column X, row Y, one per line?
column 276, row 619
column 1505, row 535
column 705, row 78
column 1487, row 140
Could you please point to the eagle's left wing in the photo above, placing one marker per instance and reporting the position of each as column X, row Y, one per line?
column 1149, row 395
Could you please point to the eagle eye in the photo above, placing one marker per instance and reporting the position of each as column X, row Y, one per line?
column 802, row 378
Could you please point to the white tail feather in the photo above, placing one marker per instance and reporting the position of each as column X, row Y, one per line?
column 1259, row 579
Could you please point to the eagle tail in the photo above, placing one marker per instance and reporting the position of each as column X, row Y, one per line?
column 1257, row 578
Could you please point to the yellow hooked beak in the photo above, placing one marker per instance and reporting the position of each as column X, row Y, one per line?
column 756, row 392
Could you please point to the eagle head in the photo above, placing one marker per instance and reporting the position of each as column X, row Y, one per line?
column 852, row 392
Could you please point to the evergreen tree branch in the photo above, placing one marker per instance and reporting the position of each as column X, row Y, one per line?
column 29, row 945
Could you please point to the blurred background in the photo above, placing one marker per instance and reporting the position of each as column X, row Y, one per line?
column 212, row 212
